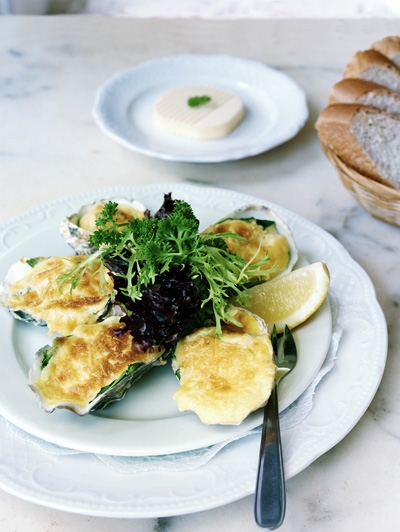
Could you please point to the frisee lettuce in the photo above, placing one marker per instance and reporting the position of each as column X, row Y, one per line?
column 152, row 246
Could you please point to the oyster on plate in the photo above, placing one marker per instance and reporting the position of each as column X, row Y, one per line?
column 223, row 379
column 87, row 370
column 32, row 292
column 265, row 232
column 77, row 227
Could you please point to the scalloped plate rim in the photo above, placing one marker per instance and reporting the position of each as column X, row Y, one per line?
column 274, row 116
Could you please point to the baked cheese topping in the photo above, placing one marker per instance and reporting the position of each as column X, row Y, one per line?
column 85, row 362
column 224, row 379
column 211, row 120
column 39, row 294
column 259, row 242
column 125, row 212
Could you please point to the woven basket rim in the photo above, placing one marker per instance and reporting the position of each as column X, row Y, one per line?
column 369, row 183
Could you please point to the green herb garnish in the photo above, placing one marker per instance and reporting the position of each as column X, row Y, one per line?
column 196, row 101
column 152, row 246
column 129, row 370
column 34, row 261
column 74, row 275
column 46, row 356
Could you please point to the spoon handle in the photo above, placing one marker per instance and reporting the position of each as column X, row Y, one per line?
column 270, row 496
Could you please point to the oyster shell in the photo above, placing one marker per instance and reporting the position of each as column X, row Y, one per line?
column 32, row 293
column 89, row 369
column 77, row 227
column 224, row 379
column 15, row 273
column 263, row 228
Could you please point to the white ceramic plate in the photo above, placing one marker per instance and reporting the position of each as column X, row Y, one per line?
column 147, row 421
column 83, row 484
column 275, row 106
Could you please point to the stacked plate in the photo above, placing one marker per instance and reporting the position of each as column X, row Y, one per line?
column 82, row 464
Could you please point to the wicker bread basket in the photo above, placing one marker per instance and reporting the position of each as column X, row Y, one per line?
column 379, row 200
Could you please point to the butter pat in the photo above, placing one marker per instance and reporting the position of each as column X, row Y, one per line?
column 211, row 120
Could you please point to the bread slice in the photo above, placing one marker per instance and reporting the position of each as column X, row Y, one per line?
column 365, row 138
column 373, row 66
column 390, row 47
column 366, row 93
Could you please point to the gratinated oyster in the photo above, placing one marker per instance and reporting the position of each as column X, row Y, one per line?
column 77, row 227
column 32, row 292
column 265, row 232
column 223, row 379
column 91, row 368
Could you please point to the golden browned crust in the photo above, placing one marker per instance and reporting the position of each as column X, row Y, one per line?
column 333, row 126
column 223, row 379
column 371, row 87
column 123, row 214
column 259, row 241
column 85, row 362
column 389, row 47
column 349, row 90
column 365, row 59
column 39, row 294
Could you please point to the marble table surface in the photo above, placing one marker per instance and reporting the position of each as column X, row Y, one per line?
column 50, row 146
column 218, row 9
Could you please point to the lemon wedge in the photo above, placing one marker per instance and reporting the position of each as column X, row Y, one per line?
column 290, row 298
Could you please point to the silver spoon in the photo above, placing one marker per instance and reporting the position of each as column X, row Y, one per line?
column 270, row 496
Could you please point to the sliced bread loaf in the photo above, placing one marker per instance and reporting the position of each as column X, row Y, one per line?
column 390, row 47
column 373, row 66
column 365, row 138
column 352, row 90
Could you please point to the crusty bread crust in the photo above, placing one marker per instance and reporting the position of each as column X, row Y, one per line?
column 390, row 47
column 334, row 130
column 363, row 60
column 349, row 90
column 361, row 123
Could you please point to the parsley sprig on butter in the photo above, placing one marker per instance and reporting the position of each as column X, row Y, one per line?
column 197, row 101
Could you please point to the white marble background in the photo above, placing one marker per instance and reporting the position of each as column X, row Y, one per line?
column 246, row 8
column 209, row 8
column 50, row 147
